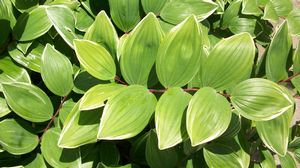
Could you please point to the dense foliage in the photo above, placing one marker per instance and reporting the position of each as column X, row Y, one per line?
column 149, row 83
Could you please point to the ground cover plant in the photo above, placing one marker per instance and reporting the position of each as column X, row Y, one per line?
column 149, row 83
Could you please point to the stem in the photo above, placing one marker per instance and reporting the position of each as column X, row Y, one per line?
column 118, row 79
column 289, row 78
column 56, row 113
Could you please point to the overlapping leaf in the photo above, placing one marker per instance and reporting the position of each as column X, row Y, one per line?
column 15, row 139
column 229, row 62
column 95, row 59
column 32, row 25
column 22, row 97
column 102, row 31
column 179, row 54
column 125, row 13
column 169, row 117
column 278, row 53
column 260, row 99
column 140, row 50
column 95, row 97
column 153, row 6
column 127, row 114
column 208, row 116
column 56, row 71
column 56, row 156
column 293, row 20
column 176, row 11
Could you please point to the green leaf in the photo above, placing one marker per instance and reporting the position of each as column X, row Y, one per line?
column 153, row 6
column 7, row 21
column 63, row 20
column 11, row 73
column 65, row 110
column 15, row 139
column 282, row 7
column 80, row 84
column 140, row 50
column 170, row 117
column 229, row 62
column 268, row 161
column 245, row 24
column 260, row 99
column 234, row 126
column 4, row 110
column 22, row 97
column 208, row 116
column 56, row 71
column 293, row 20
column 231, row 13
column 157, row 158
column 179, row 54
column 23, row 6
column 125, row 13
column 277, row 55
column 226, row 154
column 127, row 114
column 109, row 154
column 30, row 60
column 83, row 20
column 80, row 128
column 275, row 133
column 176, row 11
column 72, row 4
column 296, row 60
column 38, row 161
column 270, row 14
column 95, row 97
column 250, row 7
column 296, row 83
column 102, row 31
column 95, row 59
column 32, row 25
column 287, row 161
column 56, row 156
column 138, row 149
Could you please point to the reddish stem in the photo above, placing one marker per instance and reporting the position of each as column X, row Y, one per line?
column 56, row 113
column 289, row 78
column 118, row 79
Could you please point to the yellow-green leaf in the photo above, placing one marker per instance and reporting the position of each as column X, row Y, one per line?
column 140, row 50
column 179, row 54
column 56, row 71
column 127, row 114
column 95, row 59
column 208, row 116
column 170, row 116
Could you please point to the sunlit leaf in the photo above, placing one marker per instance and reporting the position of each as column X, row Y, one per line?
column 179, row 54
column 140, row 50
column 153, row 6
column 170, row 117
column 260, row 99
column 208, row 116
column 127, row 114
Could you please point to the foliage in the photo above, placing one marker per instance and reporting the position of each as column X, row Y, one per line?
column 145, row 83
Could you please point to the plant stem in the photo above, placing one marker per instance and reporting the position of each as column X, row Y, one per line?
column 56, row 113
column 289, row 78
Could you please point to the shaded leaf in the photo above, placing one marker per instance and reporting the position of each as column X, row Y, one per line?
column 268, row 160
column 21, row 97
column 153, row 6
column 22, row 5
column 4, row 110
column 287, row 161
column 260, row 99
column 179, row 54
column 15, row 139
column 140, row 50
column 277, row 55
column 275, row 133
column 270, row 13
column 56, row 71
column 95, row 59
column 83, row 20
column 127, row 114
column 250, row 7
column 208, row 116
column 38, row 161
column 56, row 156
column 109, row 153
column 170, row 117
column 125, row 13
column 159, row 158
